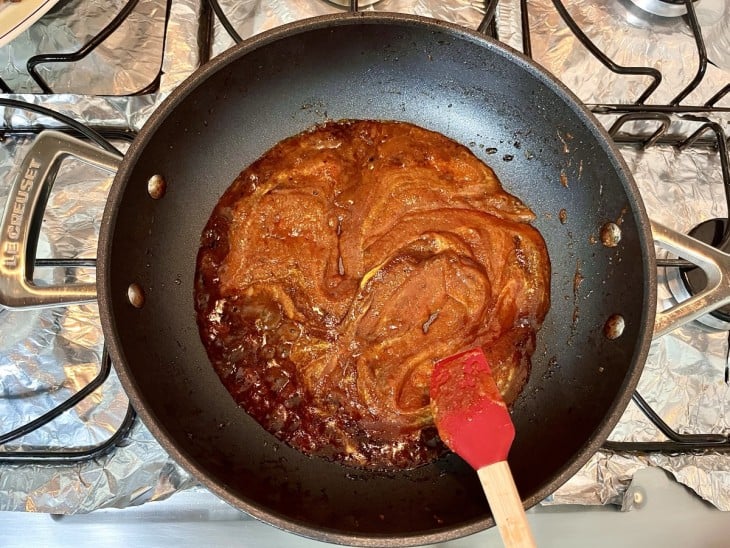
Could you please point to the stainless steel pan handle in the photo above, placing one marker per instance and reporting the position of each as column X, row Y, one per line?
column 22, row 221
column 714, row 263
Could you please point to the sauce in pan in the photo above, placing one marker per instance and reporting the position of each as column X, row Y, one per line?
column 340, row 266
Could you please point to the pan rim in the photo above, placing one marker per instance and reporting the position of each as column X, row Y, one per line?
column 198, row 78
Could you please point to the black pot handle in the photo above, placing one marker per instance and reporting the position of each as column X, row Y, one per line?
column 23, row 215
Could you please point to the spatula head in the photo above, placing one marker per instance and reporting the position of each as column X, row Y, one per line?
column 471, row 417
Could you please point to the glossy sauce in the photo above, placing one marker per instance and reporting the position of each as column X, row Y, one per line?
column 340, row 266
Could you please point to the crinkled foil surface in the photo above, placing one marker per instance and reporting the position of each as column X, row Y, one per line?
column 253, row 16
column 46, row 355
column 684, row 377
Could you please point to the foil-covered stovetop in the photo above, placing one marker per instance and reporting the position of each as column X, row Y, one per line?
column 46, row 355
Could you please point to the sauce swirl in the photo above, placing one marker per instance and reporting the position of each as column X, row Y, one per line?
column 340, row 266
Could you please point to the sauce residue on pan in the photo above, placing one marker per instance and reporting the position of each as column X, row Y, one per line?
column 340, row 266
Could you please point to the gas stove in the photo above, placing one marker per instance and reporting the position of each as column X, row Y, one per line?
column 656, row 73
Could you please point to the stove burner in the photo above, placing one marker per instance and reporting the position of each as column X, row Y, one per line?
column 663, row 8
column 685, row 282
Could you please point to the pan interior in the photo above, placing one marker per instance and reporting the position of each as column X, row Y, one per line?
column 547, row 153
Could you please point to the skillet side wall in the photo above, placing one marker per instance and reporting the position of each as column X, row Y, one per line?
column 442, row 79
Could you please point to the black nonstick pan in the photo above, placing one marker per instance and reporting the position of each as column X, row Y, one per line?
column 545, row 148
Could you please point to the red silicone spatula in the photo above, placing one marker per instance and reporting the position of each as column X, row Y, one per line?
column 475, row 423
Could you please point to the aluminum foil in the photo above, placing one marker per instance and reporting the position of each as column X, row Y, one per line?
column 49, row 354
column 253, row 16
column 46, row 355
column 629, row 37
column 683, row 378
column 138, row 472
column 68, row 27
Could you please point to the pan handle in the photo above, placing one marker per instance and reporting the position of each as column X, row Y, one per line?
column 713, row 262
column 21, row 222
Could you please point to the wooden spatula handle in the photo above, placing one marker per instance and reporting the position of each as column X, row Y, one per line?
column 506, row 505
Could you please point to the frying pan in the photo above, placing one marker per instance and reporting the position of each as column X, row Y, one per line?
column 549, row 151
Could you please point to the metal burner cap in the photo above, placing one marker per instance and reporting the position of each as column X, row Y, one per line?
column 685, row 282
column 663, row 8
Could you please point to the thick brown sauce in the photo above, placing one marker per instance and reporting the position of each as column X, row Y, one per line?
column 339, row 267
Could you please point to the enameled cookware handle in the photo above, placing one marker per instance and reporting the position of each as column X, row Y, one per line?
column 714, row 263
column 23, row 215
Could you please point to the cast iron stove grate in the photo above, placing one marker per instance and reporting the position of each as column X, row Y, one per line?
column 102, row 137
column 33, row 63
column 660, row 116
